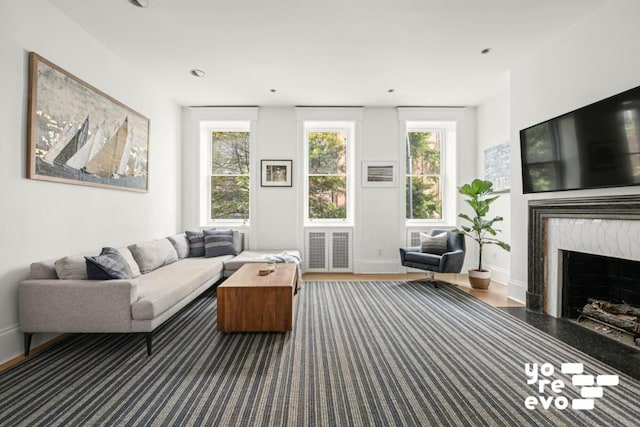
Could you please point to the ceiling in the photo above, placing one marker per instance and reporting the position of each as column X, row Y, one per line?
column 327, row 52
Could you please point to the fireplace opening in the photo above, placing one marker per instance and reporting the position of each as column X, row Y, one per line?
column 604, row 291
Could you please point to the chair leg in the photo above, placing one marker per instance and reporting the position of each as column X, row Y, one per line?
column 431, row 278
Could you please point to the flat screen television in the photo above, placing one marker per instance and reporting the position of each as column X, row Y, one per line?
column 592, row 147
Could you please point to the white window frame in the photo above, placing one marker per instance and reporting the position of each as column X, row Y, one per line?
column 227, row 126
column 427, row 127
column 427, row 119
column 349, row 127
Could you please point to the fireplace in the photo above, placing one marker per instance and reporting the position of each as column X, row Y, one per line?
column 589, row 277
column 603, row 226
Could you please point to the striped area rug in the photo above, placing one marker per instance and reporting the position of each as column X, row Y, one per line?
column 361, row 353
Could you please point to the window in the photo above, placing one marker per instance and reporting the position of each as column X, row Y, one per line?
column 328, row 169
column 424, row 173
column 230, row 181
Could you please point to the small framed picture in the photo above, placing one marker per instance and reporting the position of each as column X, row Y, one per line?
column 276, row 173
column 378, row 174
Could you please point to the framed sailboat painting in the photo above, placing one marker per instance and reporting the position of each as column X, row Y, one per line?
column 80, row 135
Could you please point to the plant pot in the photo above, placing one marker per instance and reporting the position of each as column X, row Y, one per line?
column 479, row 279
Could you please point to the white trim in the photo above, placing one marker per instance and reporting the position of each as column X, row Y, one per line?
column 199, row 114
column 430, row 113
column 329, row 113
column 517, row 291
column 498, row 274
column 223, row 118
column 350, row 128
column 375, row 266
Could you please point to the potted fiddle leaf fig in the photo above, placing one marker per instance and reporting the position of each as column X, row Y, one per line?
column 479, row 195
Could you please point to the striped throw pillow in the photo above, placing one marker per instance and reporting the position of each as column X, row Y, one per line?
column 436, row 245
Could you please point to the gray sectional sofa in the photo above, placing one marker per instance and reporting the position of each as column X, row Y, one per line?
column 153, row 281
column 60, row 298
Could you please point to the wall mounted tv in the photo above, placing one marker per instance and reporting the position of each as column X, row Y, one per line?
column 592, row 147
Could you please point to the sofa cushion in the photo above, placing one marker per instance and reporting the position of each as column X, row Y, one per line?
column 218, row 242
column 71, row 268
column 423, row 258
column 43, row 270
column 133, row 265
column 110, row 264
column 436, row 245
column 180, row 244
column 153, row 254
column 196, row 242
column 162, row 289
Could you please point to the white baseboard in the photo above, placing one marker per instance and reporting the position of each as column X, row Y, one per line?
column 517, row 291
column 12, row 342
column 498, row 274
column 370, row 266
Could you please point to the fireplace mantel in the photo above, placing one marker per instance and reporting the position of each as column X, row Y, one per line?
column 609, row 207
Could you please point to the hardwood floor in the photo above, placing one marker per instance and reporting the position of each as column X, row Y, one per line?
column 496, row 295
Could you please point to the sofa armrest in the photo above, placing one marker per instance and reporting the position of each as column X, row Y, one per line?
column 51, row 305
column 451, row 262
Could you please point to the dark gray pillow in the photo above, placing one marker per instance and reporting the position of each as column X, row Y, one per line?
column 196, row 243
column 110, row 264
column 436, row 245
column 218, row 242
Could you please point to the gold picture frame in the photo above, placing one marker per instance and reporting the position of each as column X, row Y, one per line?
column 77, row 134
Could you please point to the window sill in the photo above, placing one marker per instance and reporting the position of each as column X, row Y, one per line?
column 236, row 225
column 328, row 224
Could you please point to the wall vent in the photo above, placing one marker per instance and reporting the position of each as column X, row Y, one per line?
column 414, row 238
column 340, row 256
column 328, row 250
column 317, row 250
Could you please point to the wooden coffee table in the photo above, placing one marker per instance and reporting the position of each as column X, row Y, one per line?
column 248, row 302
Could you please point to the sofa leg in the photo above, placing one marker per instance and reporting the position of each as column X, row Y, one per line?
column 149, row 339
column 27, row 343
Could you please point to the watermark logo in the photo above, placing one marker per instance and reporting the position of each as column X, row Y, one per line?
column 550, row 390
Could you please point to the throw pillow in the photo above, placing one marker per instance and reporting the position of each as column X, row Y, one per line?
column 218, row 242
column 153, row 254
column 71, row 268
column 180, row 244
column 128, row 256
column 110, row 264
column 196, row 243
column 436, row 245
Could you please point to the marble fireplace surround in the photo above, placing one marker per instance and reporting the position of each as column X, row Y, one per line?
column 608, row 226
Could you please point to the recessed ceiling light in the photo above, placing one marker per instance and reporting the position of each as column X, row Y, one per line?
column 139, row 3
column 485, row 51
column 272, row 90
column 391, row 90
column 197, row 73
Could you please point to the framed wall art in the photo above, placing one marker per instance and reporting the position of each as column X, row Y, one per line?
column 378, row 174
column 497, row 169
column 276, row 173
column 80, row 135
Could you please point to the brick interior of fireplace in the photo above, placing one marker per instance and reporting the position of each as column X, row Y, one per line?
column 593, row 276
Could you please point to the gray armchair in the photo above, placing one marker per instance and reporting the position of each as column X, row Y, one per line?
column 449, row 262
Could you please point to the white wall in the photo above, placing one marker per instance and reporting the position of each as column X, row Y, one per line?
column 494, row 128
column 277, row 213
column 595, row 59
column 42, row 220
